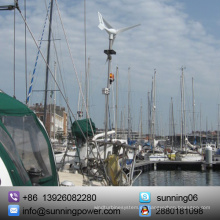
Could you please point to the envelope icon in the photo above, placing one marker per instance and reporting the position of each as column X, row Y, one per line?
column 13, row 210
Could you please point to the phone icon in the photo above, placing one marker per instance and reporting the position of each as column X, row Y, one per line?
column 13, row 196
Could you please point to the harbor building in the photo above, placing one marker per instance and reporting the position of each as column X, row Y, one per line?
column 56, row 120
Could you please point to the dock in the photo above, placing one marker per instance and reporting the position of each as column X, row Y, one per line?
column 79, row 180
column 144, row 165
column 176, row 165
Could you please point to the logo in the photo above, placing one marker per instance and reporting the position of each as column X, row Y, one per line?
column 13, row 196
column 144, row 210
column 144, row 197
column 13, row 210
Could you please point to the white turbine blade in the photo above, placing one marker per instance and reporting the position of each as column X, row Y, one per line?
column 107, row 24
column 103, row 24
column 127, row 28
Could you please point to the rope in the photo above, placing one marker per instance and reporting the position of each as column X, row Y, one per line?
column 59, row 66
column 49, row 70
column 32, row 79
column 80, row 88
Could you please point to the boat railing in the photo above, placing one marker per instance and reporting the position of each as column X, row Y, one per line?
column 117, row 145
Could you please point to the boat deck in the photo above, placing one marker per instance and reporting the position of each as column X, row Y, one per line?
column 77, row 179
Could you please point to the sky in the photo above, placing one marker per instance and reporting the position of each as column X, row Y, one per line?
column 172, row 34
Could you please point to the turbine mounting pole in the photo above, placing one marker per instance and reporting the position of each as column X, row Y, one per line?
column 107, row 90
column 104, row 25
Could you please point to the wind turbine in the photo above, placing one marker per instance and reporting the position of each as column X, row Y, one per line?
column 104, row 25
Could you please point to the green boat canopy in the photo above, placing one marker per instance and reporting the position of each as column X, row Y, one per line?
column 25, row 145
column 82, row 128
column 11, row 106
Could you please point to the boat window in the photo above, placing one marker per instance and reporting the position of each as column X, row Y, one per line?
column 10, row 148
column 30, row 143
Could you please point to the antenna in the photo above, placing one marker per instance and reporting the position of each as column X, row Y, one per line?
column 104, row 25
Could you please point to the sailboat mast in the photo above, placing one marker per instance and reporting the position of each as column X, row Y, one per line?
column 129, row 94
column 86, row 71
column 184, row 113
column 200, row 126
column 87, row 88
column 14, row 53
column 116, row 105
column 154, row 105
column 79, row 108
column 121, row 126
column 206, row 129
column 182, row 109
column 141, row 123
column 193, row 105
column 149, row 114
column 172, row 124
column 25, row 49
column 48, row 60
column 218, row 128
column 54, row 104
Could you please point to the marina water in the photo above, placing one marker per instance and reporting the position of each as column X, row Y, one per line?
column 179, row 178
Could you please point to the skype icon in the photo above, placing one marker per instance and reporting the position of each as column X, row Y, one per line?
column 144, row 197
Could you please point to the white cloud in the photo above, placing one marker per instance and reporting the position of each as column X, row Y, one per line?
column 167, row 39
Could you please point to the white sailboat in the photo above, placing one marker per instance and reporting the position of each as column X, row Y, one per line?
column 156, row 154
column 189, row 152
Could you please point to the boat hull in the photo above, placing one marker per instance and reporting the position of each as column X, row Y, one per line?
column 189, row 157
column 156, row 157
